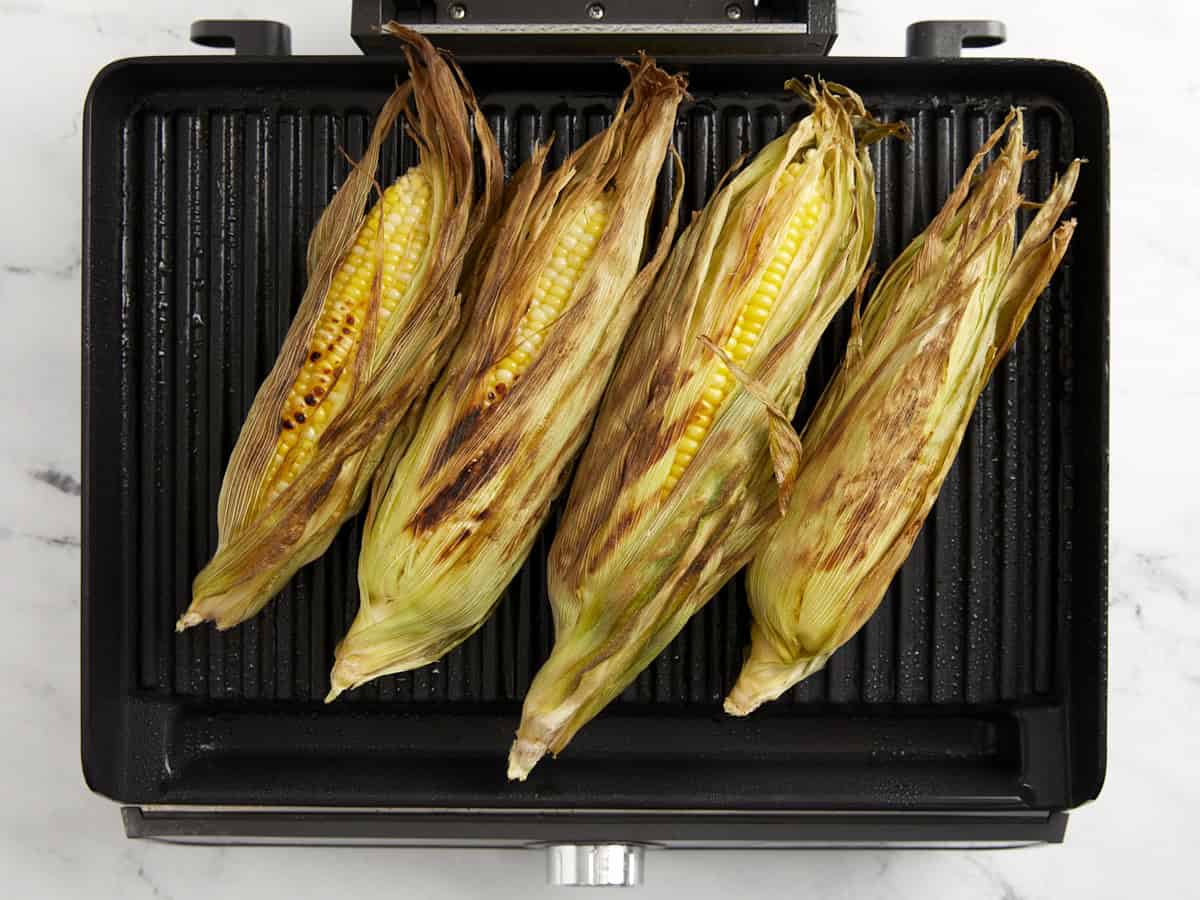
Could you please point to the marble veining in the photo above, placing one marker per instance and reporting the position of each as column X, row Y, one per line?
column 57, row 840
column 60, row 481
column 69, row 272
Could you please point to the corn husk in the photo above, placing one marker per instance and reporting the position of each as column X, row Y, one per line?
column 454, row 514
column 889, row 425
column 259, row 549
column 632, row 562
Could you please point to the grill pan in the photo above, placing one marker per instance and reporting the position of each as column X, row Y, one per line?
column 971, row 707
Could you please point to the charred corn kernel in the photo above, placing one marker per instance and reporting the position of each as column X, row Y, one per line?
column 887, row 429
column 460, row 506
column 319, row 391
column 554, row 289
column 347, row 375
column 676, row 482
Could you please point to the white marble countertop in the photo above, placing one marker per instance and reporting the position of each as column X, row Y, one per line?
column 58, row 840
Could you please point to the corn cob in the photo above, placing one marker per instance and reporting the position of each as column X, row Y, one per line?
column 677, row 481
column 887, row 428
column 454, row 515
column 375, row 323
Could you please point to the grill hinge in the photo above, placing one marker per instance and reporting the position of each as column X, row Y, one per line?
column 246, row 37
column 947, row 38
column 668, row 28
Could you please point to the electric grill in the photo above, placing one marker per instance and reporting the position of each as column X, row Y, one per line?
column 969, row 711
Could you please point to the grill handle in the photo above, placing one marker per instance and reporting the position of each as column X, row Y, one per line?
column 594, row 865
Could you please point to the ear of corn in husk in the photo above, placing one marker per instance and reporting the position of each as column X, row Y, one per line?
column 887, row 428
column 455, row 513
column 693, row 453
column 374, row 326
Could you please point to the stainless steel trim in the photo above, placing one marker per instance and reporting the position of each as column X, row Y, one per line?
column 543, row 811
column 673, row 846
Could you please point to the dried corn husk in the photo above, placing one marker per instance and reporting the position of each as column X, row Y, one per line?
column 265, row 538
column 455, row 513
column 888, row 427
column 650, row 532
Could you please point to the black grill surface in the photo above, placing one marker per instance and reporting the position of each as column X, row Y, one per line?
column 978, row 682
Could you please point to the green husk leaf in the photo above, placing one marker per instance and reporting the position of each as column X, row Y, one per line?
column 259, row 549
column 886, row 430
column 633, row 560
column 457, row 510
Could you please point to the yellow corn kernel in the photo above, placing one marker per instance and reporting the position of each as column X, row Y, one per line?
column 554, row 288
column 744, row 336
column 320, row 390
